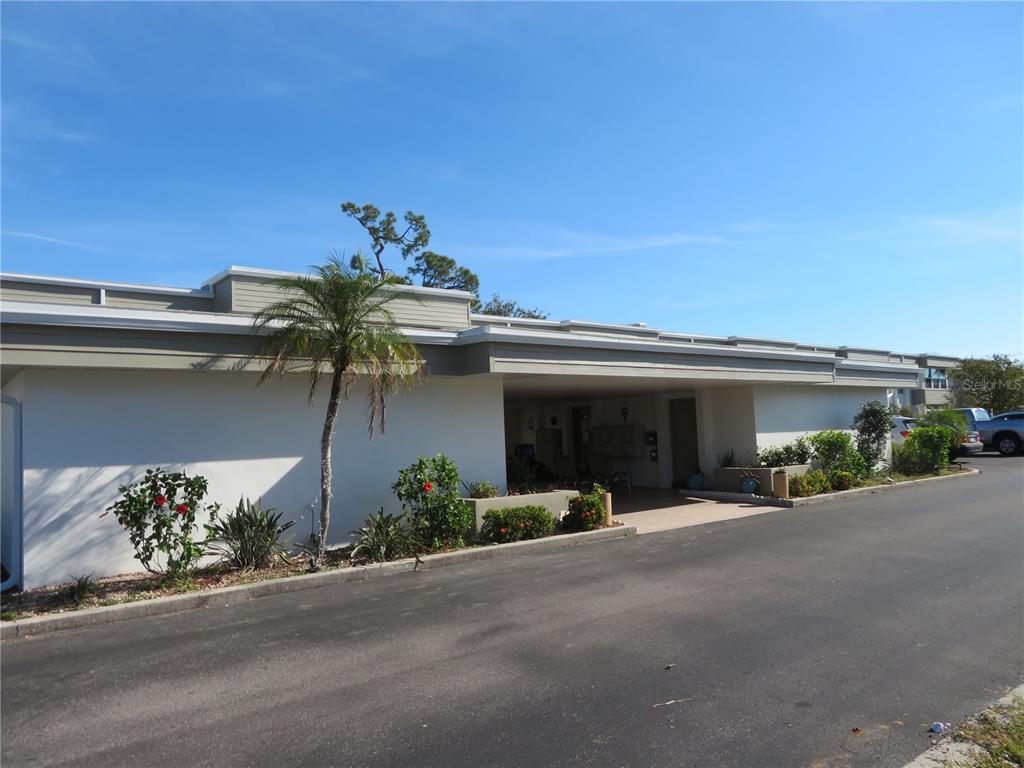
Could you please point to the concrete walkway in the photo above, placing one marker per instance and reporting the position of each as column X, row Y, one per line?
column 690, row 513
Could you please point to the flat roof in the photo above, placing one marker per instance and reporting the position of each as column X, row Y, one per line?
column 550, row 329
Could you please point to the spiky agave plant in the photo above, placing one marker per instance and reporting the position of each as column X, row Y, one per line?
column 385, row 537
column 249, row 537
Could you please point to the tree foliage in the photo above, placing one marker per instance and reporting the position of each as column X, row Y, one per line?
column 383, row 230
column 438, row 271
column 434, row 270
column 995, row 384
column 873, row 424
column 510, row 308
column 336, row 323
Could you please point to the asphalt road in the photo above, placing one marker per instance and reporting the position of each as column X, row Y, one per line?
column 784, row 632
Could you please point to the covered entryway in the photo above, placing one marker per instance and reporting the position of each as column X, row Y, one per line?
column 639, row 438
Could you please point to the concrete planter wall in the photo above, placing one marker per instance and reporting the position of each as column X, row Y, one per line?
column 728, row 478
column 556, row 503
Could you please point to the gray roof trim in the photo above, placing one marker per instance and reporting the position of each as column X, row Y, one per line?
column 110, row 285
column 483, row 334
column 184, row 321
column 170, row 320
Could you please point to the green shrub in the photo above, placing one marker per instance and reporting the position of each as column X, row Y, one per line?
column 842, row 480
column 385, row 537
column 797, row 452
column 873, row 424
column 517, row 523
column 159, row 513
column 586, row 511
column 835, row 450
column 482, row 490
column 249, row 537
column 954, row 422
column 429, row 492
column 811, row 484
column 925, row 450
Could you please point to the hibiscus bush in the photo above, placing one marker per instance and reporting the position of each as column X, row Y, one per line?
column 429, row 492
column 159, row 513
column 517, row 524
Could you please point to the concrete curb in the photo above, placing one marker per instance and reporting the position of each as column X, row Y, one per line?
column 949, row 752
column 240, row 593
column 771, row 501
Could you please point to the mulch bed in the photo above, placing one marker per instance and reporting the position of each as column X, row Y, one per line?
column 130, row 587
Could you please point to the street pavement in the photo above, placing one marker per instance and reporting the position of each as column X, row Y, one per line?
column 760, row 641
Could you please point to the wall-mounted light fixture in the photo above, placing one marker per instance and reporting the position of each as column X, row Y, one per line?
column 624, row 413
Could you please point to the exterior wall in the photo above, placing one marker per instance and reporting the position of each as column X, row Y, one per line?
column 434, row 310
column 785, row 413
column 11, row 290
column 83, row 435
column 726, row 422
column 194, row 301
column 136, row 300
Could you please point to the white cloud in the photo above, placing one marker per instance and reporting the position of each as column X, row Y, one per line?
column 54, row 240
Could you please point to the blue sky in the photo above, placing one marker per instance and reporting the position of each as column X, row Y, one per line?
column 828, row 173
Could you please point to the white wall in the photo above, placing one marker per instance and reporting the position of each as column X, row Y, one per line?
column 725, row 418
column 86, row 432
column 783, row 413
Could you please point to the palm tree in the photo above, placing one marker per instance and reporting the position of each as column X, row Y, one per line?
column 336, row 322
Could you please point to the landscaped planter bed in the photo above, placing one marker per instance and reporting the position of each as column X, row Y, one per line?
column 727, row 479
column 555, row 502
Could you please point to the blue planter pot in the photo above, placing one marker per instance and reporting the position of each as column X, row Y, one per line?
column 748, row 485
column 695, row 482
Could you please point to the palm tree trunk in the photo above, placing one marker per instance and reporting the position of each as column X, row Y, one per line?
column 325, row 468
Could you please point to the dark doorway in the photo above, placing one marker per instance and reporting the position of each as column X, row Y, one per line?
column 581, row 438
column 683, row 425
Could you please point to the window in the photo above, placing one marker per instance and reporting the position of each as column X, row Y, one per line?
column 935, row 378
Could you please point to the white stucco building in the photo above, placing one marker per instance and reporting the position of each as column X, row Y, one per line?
column 102, row 380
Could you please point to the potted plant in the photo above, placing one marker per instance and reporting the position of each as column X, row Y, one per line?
column 749, row 482
column 695, row 482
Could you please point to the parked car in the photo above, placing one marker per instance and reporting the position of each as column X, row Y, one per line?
column 1003, row 433
column 973, row 416
column 971, row 443
column 901, row 426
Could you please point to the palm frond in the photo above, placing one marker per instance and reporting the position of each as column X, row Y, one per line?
column 338, row 320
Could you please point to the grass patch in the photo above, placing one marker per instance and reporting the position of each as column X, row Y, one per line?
column 999, row 734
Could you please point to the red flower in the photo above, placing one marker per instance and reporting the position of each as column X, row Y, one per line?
column 428, row 487
column 503, row 530
column 182, row 509
column 160, row 500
